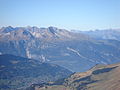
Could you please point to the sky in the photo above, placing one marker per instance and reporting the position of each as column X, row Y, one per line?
column 67, row 14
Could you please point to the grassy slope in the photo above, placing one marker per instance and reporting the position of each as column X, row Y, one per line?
column 99, row 77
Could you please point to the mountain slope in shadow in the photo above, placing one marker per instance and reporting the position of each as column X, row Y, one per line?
column 18, row 72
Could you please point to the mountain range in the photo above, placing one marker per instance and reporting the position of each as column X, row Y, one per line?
column 77, row 52
column 35, row 58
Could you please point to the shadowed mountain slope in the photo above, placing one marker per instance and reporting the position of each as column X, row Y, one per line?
column 18, row 72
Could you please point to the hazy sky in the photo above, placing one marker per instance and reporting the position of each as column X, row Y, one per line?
column 68, row 14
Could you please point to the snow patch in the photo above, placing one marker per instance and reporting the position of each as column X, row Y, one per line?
column 0, row 53
column 37, row 35
column 75, row 51
column 43, row 58
column 28, row 53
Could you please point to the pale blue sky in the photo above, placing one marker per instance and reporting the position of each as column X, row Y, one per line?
column 68, row 14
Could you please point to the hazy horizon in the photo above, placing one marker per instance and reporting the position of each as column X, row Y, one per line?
column 60, row 28
column 73, row 14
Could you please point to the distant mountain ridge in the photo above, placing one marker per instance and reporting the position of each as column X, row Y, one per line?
column 104, row 34
column 50, row 33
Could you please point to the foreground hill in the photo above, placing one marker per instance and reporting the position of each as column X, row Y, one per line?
column 18, row 72
column 100, row 77
column 74, row 51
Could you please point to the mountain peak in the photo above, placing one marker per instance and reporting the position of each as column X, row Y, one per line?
column 53, row 30
column 7, row 29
